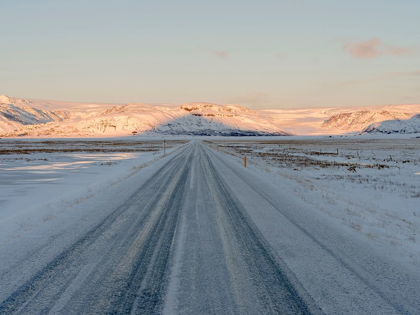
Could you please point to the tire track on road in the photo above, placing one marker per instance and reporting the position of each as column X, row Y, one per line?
column 131, row 222
column 274, row 291
column 394, row 305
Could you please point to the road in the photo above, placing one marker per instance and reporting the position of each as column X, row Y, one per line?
column 185, row 242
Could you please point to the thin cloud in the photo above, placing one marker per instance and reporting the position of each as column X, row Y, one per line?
column 374, row 47
column 407, row 73
column 221, row 54
column 390, row 75
column 281, row 56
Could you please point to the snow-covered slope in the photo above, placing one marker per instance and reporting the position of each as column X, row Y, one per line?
column 336, row 120
column 187, row 119
column 358, row 120
column 15, row 113
column 402, row 126
column 20, row 117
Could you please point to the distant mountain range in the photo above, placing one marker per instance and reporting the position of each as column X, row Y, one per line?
column 88, row 120
column 38, row 118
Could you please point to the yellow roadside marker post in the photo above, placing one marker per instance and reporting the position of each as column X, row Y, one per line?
column 164, row 146
column 245, row 161
column 217, row 149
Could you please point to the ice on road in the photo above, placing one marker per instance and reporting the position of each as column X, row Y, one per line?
column 198, row 236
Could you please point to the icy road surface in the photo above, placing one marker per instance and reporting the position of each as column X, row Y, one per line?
column 198, row 235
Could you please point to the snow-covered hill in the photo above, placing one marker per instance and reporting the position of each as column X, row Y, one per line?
column 37, row 118
column 337, row 120
column 187, row 119
column 398, row 126
column 15, row 113
column 358, row 120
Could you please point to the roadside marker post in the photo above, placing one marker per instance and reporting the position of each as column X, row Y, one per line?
column 217, row 149
column 245, row 161
column 164, row 146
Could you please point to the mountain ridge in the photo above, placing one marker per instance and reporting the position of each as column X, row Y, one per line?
column 396, row 126
column 15, row 113
column 38, row 118
column 359, row 120
column 138, row 118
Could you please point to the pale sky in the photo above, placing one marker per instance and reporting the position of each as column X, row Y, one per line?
column 261, row 54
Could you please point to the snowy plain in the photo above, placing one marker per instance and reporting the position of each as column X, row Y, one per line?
column 369, row 185
column 41, row 178
column 343, row 224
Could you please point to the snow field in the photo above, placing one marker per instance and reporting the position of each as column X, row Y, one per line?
column 369, row 186
column 41, row 180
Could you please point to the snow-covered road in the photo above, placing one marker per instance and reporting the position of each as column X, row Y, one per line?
column 194, row 233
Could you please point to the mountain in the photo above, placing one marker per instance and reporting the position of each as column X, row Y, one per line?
column 122, row 120
column 336, row 120
column 359, row 120
column 39, row 118
column 15, row 113
column 398, row 126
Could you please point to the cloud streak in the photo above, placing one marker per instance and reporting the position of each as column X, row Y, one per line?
column 374, row 48
column 413, row 74
column 407, row 73
column 281, row 56
column 221, row 54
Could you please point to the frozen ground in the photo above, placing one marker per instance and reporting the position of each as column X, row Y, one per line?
column 194, row 232
column 43, row 178
column 369, row 185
